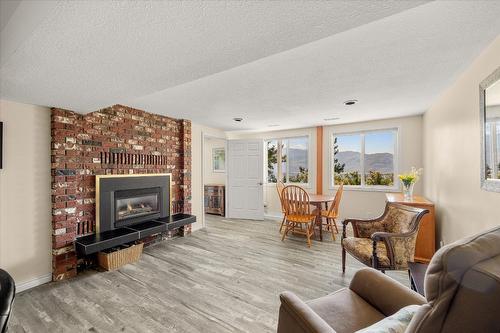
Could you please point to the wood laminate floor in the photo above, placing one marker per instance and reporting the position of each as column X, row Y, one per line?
column 224, row 278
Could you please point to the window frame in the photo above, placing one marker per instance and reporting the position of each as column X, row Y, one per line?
column 280, row 154
column 363, row 187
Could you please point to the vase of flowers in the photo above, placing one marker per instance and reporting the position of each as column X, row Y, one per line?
column 408, row 180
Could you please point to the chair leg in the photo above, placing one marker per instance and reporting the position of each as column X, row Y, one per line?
column 313, row 228
column 308, row 235
column 282, row 223
column 287, row 229
column 335, row 224
column 343, row 260
column 330, row 227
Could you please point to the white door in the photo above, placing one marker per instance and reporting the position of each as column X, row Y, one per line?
column 245, row 176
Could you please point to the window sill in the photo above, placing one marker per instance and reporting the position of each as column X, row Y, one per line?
column 367, row 189
column 305, row 186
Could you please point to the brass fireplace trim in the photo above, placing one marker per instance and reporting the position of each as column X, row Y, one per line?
column 97, row 191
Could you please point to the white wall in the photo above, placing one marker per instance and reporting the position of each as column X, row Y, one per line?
column 212, row 177
column 364, row 203
column 25, row 198
column 452, row 155
column 197, row 132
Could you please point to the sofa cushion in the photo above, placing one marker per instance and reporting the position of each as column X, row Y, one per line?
column 362, row 249
column 397, row 323
column 345, row 311
column 453, row 285
column 473, row 304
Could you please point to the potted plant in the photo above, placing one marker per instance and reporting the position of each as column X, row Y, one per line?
column 408, row 180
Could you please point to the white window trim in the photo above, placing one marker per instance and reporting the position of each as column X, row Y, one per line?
column 281, row 138
column 363, row 188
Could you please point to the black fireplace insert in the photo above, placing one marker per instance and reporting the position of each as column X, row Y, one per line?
column 125, row 200
column 136, row 204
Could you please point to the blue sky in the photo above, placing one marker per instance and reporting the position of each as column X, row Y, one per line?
column 298, row 143
column 376, row 142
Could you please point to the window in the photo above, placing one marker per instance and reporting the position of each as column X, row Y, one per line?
column 293, row 157
column 365, row 159
column 272, row 161
column 218, row 160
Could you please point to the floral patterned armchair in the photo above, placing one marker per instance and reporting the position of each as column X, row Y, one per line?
column 384, row 243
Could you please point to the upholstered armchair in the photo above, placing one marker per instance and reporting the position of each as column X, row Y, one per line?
column 462, row 294
column 7, row 294
column 384, row 243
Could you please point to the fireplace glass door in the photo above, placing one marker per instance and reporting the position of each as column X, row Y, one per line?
column 133, row 204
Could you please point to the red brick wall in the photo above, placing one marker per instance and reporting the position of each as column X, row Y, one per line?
column 115, row 140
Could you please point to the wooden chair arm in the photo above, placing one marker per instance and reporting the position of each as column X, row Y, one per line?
column 356, row 223
column 381, row 235
column 397, row 260
column 353, row 222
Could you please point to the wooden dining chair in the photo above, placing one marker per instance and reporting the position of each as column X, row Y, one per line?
column 331, row 215
column 279, row 188
column 298, row 212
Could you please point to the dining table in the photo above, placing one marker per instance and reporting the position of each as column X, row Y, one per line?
column 319, row 200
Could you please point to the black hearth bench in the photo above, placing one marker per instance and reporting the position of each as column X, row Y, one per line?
column 105, row 240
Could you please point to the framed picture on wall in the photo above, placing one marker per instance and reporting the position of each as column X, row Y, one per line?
column 218, row 160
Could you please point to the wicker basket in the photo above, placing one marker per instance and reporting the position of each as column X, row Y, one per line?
column 116, row 259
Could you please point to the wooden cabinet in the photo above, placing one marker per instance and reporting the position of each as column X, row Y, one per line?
column 426, row 239
column 214, row 199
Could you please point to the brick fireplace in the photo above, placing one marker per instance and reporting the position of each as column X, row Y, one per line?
column 116, row 140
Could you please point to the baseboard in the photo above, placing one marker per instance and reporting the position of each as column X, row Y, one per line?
column 33, row 283
column 198, row 227
column 273, row 217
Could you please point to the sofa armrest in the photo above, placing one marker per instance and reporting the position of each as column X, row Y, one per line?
column 382, row 292
column 296, row 316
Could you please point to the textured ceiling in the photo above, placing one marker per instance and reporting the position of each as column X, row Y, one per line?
column 7, row 8
column 285, row 63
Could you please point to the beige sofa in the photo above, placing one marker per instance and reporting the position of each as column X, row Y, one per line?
column 462, row 288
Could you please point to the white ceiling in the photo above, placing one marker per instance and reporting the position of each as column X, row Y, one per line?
column 285, row 63
column 7, row 8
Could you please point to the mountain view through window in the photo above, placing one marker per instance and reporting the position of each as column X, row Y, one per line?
column 293, row 156
column 364, row 159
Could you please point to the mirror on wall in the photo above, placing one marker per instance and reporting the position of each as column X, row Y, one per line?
column 490, row 137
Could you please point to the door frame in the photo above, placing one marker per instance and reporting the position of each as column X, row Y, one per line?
column 204, row 136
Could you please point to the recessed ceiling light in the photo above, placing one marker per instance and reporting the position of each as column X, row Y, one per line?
column 351, row 102
column 273, row 125
column 330, row 119
column 238, row 119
